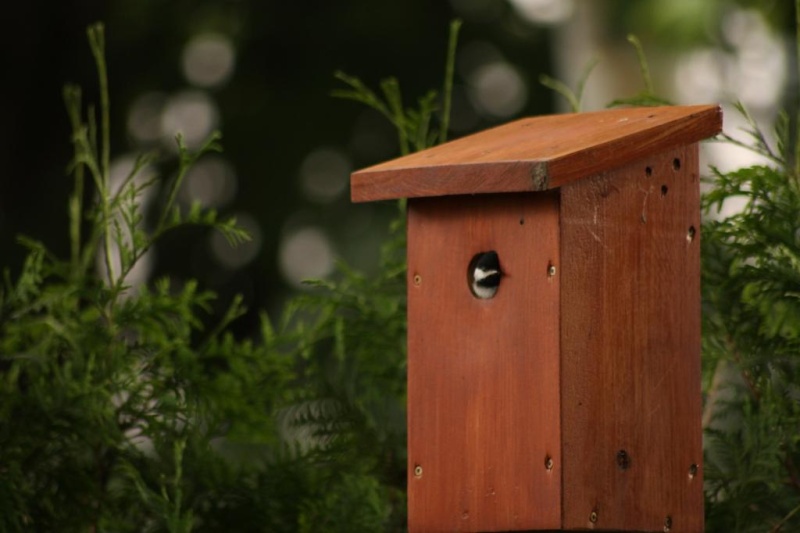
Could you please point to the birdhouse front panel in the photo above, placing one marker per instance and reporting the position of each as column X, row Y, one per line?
column 484, row 422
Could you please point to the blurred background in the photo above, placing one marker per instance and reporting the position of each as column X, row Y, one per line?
column 261, row 72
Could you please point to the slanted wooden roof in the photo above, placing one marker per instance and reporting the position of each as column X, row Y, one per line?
column 538, row 153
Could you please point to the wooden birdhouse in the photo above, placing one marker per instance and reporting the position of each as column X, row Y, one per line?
column 567, row 397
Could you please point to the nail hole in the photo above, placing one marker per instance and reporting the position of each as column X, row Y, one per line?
column 623, row 460
column 690, row 234
column 484, row 274
column 521, row 221
column 664, row 190
column 648, row 171
column 676, row 164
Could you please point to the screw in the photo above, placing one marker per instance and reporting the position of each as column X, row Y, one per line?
column 418, row 471
column 551, row 270
column 690, row 234
column 667, row 524
column 417, row 280
column 548, row 463
column 623, row 460
column 593, row 517
column 692, row 470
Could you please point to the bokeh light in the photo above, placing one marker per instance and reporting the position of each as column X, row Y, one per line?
column 208, row 60
column 544, row 11
column 498, row 90
column 305, row 253
column 476, row 54
column 760, row 58
column 144, row 117
column 324, row 174
column 211, row 182
column 191, row 113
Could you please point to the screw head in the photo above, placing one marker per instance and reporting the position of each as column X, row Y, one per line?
column 623, row 460
column 667, row 524
column 549, row 463
column 593, row 517
column 418, row 471
column 551, row 270
column 417, row 280
column 693, row 470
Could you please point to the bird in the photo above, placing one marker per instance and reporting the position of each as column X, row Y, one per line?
column 486, row 275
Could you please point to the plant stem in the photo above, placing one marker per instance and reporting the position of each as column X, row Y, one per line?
column 643, row 67
column 777, row 527
column 448, row 79
column 97, row 42
column 795, row 121
column 72, row 99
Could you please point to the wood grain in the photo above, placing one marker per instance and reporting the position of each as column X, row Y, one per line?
column 630, row 346
column 537, row 153
column 483, row 375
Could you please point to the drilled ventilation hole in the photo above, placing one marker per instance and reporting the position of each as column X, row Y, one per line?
column 648, row 171
column 676, row 163
column 664, row 190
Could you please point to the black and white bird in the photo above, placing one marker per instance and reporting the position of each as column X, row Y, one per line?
column 486, row 275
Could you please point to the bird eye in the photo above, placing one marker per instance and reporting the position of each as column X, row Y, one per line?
column 484, row 274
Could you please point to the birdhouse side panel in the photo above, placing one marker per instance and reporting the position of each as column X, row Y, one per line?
column 483, row 372
column 630, row 340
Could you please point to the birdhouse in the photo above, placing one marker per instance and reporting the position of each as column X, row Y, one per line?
column 554, row 322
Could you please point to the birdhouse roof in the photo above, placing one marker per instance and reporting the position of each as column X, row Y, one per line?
column 537, row 153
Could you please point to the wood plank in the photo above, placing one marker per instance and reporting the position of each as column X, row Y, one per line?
column 483, row 383
column 630, row 340
column 537, row 153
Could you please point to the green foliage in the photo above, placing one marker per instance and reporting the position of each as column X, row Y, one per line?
column 751, row 342
column 132, row 409
column 115, row 401
column 647, row 97
column 751, row 335
column 573, row 97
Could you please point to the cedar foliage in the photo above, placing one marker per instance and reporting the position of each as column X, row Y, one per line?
column 751, row 340
column 751, row 331
column 134, row 409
